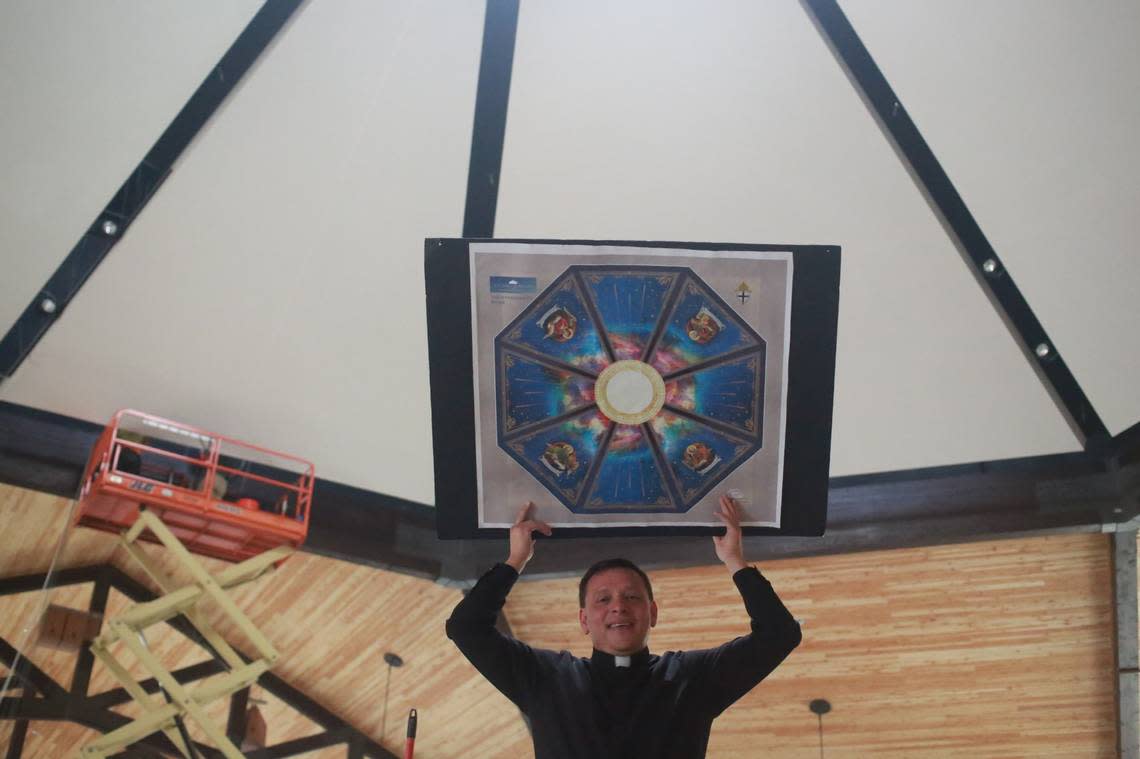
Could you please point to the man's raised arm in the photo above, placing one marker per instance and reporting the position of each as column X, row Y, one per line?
column 735, row 668
column 505, row 662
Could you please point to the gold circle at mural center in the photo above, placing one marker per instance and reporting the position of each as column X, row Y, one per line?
column 629, row 392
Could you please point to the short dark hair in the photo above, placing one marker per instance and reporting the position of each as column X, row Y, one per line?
column 602, row 566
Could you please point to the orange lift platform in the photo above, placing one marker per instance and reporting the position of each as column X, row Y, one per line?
column 219, row 496
column 193, row 492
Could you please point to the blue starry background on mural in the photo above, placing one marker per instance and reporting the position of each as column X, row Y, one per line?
column 537, row 392
column 728, row 393
column 630, row 305
column 630, row 477
column 711, row 364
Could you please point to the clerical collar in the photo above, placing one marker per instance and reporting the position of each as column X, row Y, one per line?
column 610, row 661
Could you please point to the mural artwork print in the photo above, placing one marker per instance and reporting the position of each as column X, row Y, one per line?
column 628, row 386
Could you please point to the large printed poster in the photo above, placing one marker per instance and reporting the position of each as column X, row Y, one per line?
column 628, row 386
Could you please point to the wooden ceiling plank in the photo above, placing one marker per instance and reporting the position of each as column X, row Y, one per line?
column 28, row 673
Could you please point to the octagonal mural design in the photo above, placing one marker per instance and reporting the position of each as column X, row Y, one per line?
column 629, row 389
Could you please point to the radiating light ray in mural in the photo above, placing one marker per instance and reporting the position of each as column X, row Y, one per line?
column 539, row 391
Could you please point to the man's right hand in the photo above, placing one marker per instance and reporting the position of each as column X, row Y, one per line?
column 522, row 537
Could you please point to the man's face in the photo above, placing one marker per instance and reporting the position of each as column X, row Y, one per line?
column 618, row 612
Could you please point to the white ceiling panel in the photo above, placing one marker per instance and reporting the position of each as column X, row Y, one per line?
column 87, row 88
column 732, row 122
column 273, row 288
column 1033, row 110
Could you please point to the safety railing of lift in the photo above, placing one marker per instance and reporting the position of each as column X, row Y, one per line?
column 211, row 464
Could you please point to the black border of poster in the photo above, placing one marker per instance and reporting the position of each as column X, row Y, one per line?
column 810, row 390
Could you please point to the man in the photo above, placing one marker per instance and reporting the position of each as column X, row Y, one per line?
column 622, row 702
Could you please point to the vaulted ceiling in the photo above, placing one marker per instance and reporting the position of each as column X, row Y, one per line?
column 272, row 287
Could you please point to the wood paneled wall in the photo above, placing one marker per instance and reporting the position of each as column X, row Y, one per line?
column 32, row 526
column 997, row 649
column 332, row 621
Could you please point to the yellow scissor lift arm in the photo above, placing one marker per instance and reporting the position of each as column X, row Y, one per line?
column 128, row 628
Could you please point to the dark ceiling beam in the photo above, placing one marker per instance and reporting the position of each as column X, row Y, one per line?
column 1081, row 491
column 16, row 739
column 1126, row 445
column 58, row 704
column 332, row 724
column 24, row 671
column 58, row 579
column 85, row 659
column 299, row 746
column 238, row 721
column 987, row 267
column 112, row 223
column 489, row 130
column 43, row 451
column 69, row 709
column 371, row 528
column 117, row 696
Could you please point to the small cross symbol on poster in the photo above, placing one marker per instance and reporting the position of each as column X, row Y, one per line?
column 743, row 292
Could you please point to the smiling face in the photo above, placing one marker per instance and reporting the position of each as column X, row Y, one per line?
column 618, row 613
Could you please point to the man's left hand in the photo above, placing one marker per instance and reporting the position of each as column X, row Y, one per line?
column 730, row 546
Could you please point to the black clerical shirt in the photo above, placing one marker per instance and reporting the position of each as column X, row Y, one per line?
column 657, row 707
